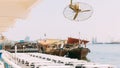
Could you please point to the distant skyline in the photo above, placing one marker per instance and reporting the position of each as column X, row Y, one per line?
column 47, row 18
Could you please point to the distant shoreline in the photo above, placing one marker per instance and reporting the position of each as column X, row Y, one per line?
column 105, row 43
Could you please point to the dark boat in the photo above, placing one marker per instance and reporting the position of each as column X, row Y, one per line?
column 74, row 48
column 22, row 47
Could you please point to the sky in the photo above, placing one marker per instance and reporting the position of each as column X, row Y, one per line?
column 47, row 18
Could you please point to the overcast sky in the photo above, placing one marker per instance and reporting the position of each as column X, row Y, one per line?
column 47, row 17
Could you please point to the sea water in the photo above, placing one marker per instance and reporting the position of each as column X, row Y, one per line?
column 105, row 53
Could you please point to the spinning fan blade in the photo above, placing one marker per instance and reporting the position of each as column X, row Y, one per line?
column 75, row 15
column 71, row 6
column 85, row 10
column 70, row 2
column 77, row 11
column 77, row 6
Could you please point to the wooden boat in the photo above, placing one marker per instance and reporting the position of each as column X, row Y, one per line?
column 74, row 48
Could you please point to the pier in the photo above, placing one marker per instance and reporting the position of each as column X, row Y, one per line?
column 40, row 60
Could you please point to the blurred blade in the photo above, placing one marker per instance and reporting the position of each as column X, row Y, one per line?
column 3, row 29
column 6, row 21
column 10, row 10
column 70, row 2
column 85, row 10
column 15, row 8
column 77, row 6
column 75, row 16
column 27, row 3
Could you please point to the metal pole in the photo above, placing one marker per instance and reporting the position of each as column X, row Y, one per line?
column 45, row 37
column 79, row 41
column 16, row 54
column 23, row 48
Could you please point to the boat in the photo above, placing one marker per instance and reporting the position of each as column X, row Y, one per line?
column 73, row 48
column 38, row 59
column 21, row 47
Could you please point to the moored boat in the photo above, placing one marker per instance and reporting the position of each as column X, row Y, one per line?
column 72, row 48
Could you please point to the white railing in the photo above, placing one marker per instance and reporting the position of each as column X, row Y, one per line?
column 69, row 61
column 40, row 60
column 9, row 59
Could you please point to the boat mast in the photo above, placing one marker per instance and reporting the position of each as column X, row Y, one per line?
column 79, row 45
column 45, row 39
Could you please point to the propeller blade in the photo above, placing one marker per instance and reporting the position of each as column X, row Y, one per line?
column 77, row 6
column 75, row 15
column 71, row 6
column 70, row 2
column 85, row 10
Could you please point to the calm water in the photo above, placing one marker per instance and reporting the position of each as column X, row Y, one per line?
column 105, row 53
